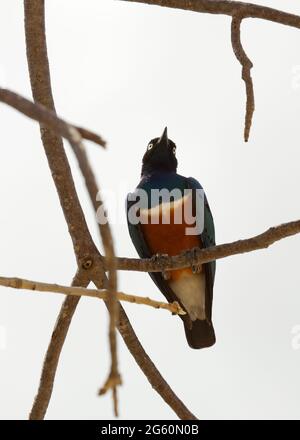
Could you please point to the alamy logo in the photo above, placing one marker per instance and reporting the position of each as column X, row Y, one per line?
column 168, row 207
column 158, row 206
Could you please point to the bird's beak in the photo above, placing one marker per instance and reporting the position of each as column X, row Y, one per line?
column 164, row 138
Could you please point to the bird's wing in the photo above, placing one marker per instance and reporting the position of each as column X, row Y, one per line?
column 207, row 238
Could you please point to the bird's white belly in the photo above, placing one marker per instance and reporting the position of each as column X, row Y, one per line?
column 190, row 290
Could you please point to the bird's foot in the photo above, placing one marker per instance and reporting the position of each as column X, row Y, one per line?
column 197, row 268
column 161, row 260
column 192, row 255
column 166, row 275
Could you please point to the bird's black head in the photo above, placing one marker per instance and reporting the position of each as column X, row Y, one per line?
column 160, row 155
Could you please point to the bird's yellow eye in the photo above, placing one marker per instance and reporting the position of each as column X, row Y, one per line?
column 174, row 150
column 149, row 147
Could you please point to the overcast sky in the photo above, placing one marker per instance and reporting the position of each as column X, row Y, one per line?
column 126, row 71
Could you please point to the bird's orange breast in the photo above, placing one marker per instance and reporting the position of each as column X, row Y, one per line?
column 169, row 238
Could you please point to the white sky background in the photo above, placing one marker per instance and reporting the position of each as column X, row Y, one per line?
column 127, row 70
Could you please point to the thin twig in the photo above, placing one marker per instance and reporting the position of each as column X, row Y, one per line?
column 91, row 136
column 114, row 378
column 204, row 255
column 38, row 286
column 40, row 113
column 246, row 72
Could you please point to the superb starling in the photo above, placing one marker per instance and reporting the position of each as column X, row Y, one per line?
column 159, row 227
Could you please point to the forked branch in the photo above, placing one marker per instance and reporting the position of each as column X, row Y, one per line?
column 230, row 8
column 40, row 113
column 238, row 11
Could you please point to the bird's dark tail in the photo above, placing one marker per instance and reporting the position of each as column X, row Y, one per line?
column 199, row 334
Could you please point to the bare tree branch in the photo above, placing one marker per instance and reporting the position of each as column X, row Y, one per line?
column 37, row 286
column 91, row 136
column 231, row 8
column 40, row 113
column 246, row 72
column 204, row 255
column 238, row 11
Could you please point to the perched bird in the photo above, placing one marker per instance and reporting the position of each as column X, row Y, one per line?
column 157, row 229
